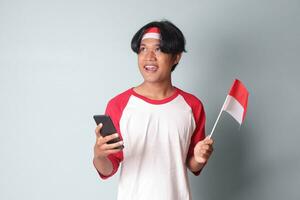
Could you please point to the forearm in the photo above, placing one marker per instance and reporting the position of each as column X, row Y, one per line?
column 193, row 165
column 103, row 165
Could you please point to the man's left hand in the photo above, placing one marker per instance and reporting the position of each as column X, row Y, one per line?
column 203, row 150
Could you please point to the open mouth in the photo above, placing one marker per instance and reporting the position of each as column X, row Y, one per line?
column 151, row 68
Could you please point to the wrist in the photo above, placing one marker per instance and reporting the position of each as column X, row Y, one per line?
column 101, row 158
column 194, row 165
column 103, row 165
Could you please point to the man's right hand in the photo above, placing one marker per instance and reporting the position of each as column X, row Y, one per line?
column 101, row 148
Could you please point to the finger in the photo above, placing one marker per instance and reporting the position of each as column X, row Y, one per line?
column 208, row 147
column 203, row 152
column 103, row 140
column 207, row 140
column 205, row 147
column 113, row 145
column 112, row 151
column 206, row 151
column 205, row 155
column 100, row 141
column 110, row 137
column 97, row 130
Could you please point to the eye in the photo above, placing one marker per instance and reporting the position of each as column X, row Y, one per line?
column 157, row 49
column 142, row 49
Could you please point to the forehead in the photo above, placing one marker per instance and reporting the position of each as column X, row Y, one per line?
column 150, row 42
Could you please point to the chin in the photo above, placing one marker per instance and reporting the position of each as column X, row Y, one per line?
column 148, row 80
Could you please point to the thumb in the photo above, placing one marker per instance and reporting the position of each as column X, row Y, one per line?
column 208, row 140
column 98, row 129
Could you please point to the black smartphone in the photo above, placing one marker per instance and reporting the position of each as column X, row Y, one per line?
column 108, row 128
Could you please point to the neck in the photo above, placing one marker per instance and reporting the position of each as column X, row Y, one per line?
column 155, row 90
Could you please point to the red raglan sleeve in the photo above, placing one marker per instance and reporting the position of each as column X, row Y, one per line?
column 114, row 109
column 199, row 132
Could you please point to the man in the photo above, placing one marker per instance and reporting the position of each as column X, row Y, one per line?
column 162, row 127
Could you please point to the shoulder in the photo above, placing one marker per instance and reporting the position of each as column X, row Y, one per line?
column 191, row 99
column 195, row 105
column 120, row 99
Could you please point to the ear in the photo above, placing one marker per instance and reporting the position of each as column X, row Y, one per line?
column 177, row 58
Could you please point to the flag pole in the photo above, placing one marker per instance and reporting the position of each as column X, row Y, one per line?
column 212, row 131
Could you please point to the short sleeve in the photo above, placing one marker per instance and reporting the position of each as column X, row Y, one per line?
column 199, row 118
column 115, row 109
column 199, row 133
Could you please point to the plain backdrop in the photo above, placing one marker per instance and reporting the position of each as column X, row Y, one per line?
column 61, row 61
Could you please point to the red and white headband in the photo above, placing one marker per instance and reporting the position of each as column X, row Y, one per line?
column 152, row 32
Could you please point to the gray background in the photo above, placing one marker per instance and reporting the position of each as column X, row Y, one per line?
column 61, row 61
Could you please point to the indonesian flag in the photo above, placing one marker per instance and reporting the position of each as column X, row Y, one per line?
column 236, row 101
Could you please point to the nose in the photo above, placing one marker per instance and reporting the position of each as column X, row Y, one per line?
column 150, row 55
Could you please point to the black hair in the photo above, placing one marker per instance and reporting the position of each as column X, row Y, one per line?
column 172, row 40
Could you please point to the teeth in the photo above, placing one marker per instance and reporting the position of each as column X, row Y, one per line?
column 150, row 68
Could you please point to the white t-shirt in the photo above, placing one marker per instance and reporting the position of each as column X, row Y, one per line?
column 159, row 136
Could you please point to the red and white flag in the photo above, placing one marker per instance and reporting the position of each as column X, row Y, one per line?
column 236, row 101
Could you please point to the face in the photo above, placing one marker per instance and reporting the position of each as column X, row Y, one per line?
column 155, row 66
